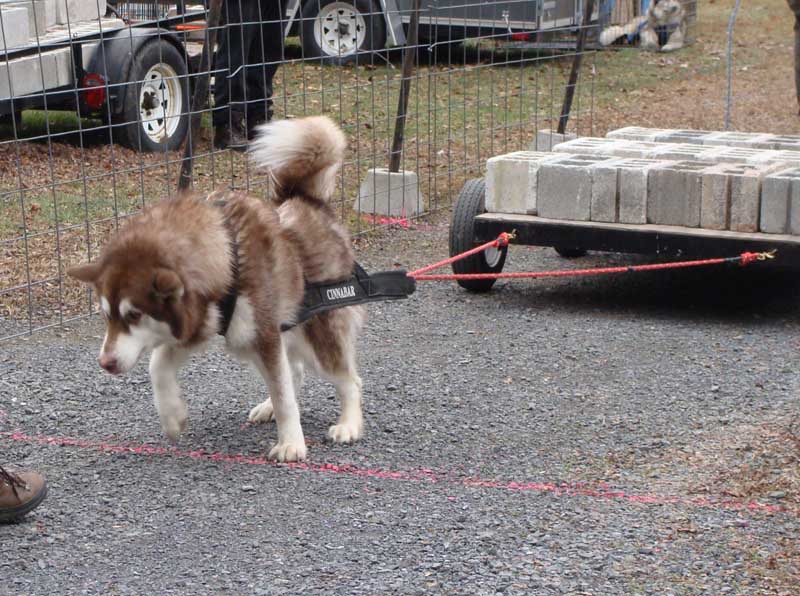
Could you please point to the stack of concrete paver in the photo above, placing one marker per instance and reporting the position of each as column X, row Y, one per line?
column 743, row 182
column 24, row 20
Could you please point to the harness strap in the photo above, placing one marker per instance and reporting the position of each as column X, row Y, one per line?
column 360, row 288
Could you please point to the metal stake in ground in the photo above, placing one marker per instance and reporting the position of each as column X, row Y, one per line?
column 200, row 94
column 402, row 103
column 576, row 66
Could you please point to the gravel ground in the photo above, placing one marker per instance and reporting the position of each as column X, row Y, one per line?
column 556, row 437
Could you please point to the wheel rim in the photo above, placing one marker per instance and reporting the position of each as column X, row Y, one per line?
column 160, row 102
column 339, row 29
column 492, row 256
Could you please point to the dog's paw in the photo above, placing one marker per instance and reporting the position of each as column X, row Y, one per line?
column 262, row 412
column 288, row 452
column 346, row 432
column 175, row 424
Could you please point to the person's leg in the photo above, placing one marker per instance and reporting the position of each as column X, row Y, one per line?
column 266, row 54
column 229, row 78
column 20, row 493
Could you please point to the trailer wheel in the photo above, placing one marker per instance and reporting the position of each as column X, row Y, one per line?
column 570, row 252
column 471, row 202
column 339, row 31
column 155, row 110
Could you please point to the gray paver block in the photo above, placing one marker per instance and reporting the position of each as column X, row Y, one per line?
column 37, row 16
column 750, row 140
column 565, row 188
column 75, row 11
column 674, row 193
column 633, row 193
column 786, row 142
column 547, row 139
column 604, row 206
column 511, row 181
column 694, row 137
column 27, row 74
column 14, row 32
column 590, row 146
column 637, row 133
column 780, row 202
column 731, row 197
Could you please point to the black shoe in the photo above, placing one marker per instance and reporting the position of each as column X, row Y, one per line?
column 230, row 137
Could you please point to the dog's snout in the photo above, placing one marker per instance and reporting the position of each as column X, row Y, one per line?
column 109, row 363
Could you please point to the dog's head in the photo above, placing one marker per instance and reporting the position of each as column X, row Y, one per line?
column 141, row 304
column 663, row 10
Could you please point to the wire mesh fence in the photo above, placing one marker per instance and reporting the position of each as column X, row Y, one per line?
column 97, row 100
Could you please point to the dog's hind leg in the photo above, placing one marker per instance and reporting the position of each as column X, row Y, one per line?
column 273, row 364
column 332, row 336
column 264, row 411
column 164, row 365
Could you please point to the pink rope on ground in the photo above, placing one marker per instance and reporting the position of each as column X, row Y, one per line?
column 421, row 475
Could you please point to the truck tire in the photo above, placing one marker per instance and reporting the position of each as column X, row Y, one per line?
column 342, row 31
column 155, row 108
column 471, row 202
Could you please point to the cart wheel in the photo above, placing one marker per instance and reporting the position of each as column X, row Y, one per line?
column 155, row 110
column 469, row 204
column 339, row 31
column 570, row 252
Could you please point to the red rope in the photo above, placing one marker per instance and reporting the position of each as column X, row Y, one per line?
column 501, row 240
column 421, row 274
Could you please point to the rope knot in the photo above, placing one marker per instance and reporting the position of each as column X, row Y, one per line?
column 750, row 257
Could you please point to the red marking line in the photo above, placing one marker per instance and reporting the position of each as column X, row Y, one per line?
column 421, row 475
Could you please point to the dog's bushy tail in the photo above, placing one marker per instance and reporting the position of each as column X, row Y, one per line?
column 302, row 156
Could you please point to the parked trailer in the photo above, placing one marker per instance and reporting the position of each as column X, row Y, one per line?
column 131, row 73
column 131, row 65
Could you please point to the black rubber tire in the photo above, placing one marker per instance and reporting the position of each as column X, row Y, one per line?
column 374, row 40
column 128, row 130
column 471, row 202
column 570, row 252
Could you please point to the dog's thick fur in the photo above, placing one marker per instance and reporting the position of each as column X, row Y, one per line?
column 160, row 278
column 669, row 14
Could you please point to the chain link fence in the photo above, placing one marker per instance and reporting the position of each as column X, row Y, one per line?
column 97, row 102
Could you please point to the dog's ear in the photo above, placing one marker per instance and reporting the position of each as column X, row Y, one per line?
column 167, row 285
column 87, row 273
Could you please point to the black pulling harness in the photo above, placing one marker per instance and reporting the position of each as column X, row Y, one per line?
column 359, row 288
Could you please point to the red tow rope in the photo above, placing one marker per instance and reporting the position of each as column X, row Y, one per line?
column 503, row 239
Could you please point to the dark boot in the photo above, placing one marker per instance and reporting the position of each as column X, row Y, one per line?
column 20, row 493
column 231, row 137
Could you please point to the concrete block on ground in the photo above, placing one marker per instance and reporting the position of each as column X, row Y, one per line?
column 393, row 194
column 589, row 146
column 75, row 11
column 750, row 140
column 674, row 193
column 632, row 188
column 565, row 188
column 547, row 139
column 637, row 133
column 692, row 137
column 14, row 32
column 511, row 181
column 780, row 202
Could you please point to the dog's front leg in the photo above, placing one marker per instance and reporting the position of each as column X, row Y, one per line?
column 164, row 365
column 273, row 364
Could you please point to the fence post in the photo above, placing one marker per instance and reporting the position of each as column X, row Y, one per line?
column 402, row 103
column 569, row 92
column 200, row 95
